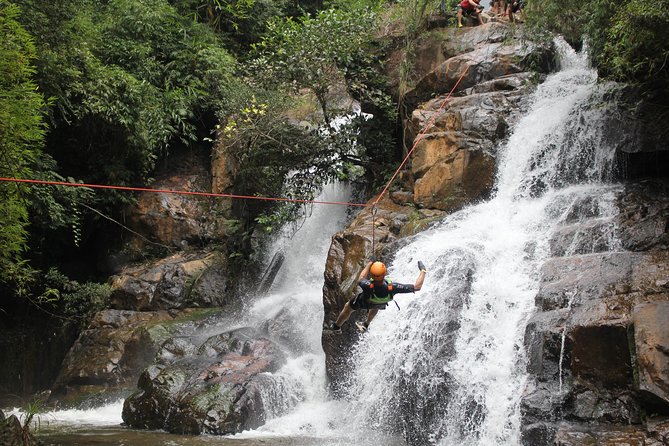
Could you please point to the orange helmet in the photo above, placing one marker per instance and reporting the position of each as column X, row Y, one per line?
column 378, row 269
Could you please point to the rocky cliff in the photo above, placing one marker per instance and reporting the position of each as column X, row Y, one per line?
column 597, row 344
column 453, row 163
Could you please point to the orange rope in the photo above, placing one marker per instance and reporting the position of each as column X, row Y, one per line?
column 420, row 136
column 178, row 192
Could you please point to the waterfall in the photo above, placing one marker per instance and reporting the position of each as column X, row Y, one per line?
column 449, row 367
column 295, row 304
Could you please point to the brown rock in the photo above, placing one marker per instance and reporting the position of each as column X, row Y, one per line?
column 110, row 355
column 454, row 161
column 215, row 387
column 101, row 356
column 605, row 435
column 179, row 281
column 651, row 339
column 176, row 220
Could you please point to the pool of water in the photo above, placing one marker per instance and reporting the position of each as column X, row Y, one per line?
column 120, row 436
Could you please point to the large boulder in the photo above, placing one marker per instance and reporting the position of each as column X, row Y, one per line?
column 108, row 357
column 179, row 281
column 212, row 386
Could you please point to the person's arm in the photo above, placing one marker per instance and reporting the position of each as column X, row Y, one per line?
column 473, row 3
column 419, row 281
column 364, row 274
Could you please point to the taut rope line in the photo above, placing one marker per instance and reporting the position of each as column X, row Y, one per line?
column 429, row 124
column 178, row 192
column 251, row 197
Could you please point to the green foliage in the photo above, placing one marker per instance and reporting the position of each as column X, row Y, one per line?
column 305, row 56
column 57, row 209
column 240, row 23
column 267, row 147
column 130, row 79
column 312, row 52
column 354, row 5
column 627, row 40
column 21, row 136
column 636, row 45
column 415, row 14
column 72, row 299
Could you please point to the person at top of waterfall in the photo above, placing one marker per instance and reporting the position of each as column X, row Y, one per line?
column 515, row 7
column 377, row 292
column 469, row 8
column 498, row 7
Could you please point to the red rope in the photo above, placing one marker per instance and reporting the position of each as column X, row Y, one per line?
column 178, row 192
column 420, row 136
column 250, row 197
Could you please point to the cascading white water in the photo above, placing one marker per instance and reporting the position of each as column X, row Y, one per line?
column 449, row 368
column 296, row 300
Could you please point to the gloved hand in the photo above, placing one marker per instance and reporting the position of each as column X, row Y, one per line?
column 372, row 258
column 421, row 266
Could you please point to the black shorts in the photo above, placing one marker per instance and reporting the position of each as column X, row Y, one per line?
column 468, row 12
column 359, row 302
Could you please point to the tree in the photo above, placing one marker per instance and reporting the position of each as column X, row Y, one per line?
column 21, row 136
column 636, row 45
column 312, row 52
column 627, row 40
column 130, row 79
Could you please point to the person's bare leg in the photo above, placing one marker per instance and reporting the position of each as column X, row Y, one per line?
column 344, row 315
column 370, row 316
column 459, row 17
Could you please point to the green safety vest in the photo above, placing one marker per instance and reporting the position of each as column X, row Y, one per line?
column 381, row 300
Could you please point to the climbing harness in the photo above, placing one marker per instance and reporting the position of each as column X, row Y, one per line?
column 377, row 300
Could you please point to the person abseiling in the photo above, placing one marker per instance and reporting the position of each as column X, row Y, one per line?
column 377, row 291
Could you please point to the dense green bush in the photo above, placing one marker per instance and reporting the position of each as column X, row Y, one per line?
column 130, row 79
column 21, row 136
column 627, row 40
column 636, row 46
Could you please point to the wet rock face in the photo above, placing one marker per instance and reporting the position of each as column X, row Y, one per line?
column 454, row 162
column 110, row 354
column 644, row 216
column 477, row 54
column 651, row 341
column 213, row 387
column 176, row 282
column 597, row 345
